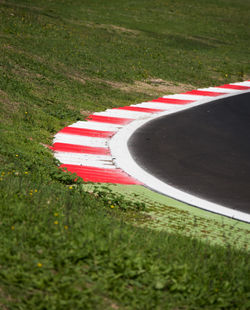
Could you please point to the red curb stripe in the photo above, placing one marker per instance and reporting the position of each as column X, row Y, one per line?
column 87, row 132
column 238, row 87
column 138, row 109
column 72, row 148
column 109, row 119
column 109, row 173
column 93, row 174
column 172, row 101
column 203, row 93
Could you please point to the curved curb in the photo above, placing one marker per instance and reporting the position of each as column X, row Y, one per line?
column 124, row 160
column 95, row 149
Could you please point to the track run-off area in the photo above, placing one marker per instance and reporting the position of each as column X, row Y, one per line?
column 100, row 148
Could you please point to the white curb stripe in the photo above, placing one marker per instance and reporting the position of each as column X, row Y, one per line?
column 218, row 90
column 94, row 163
column 80, row 140
column 246, row 83
column 96, row 126
column 84, row 160
column 80, row 156
column 158, row 105
column 122, row 113
column 187, row 97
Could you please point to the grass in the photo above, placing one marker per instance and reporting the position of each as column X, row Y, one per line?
column 61, row 247
column 166, row 214
column 65, row 249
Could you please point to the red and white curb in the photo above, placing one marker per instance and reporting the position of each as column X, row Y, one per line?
column 96, row 149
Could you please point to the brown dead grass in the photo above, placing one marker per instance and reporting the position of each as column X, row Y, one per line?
column 21, row 6
column 9, row 106
column 86, row 113
column 113, row 28
column 111, row 304
column 22, row 52
column 25, row 73
column 78, row 78
column 4, row 296
column 151, row 87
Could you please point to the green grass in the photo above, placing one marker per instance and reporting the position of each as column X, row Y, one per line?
column 63, row 248
column 163, row 213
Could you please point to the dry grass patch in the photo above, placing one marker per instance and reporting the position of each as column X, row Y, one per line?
column 21, row 6
column 8, row 105
column 151, row 87
column 17, row 50
column 78, row 78
column 113, row 28
column 86, row 113
column 154, row 87
column 26, row 73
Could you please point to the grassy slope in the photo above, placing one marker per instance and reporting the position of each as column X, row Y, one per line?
column 167, row 214
column 60, row 247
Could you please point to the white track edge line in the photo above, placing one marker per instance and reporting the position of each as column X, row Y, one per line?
column 123, row 160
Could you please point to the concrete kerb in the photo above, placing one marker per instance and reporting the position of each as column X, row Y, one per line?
column 123, row 159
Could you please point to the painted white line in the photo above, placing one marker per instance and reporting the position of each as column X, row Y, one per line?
column 82, row 157
column 96, row 126
column 245, row 83
column 122, row 114
column 80, row 140
column 187, row 97
column 95, row 162
column 158, row 105
column 124, row 160
column 220, row 90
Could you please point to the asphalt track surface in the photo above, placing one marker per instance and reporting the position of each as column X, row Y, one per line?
column 204, row 151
